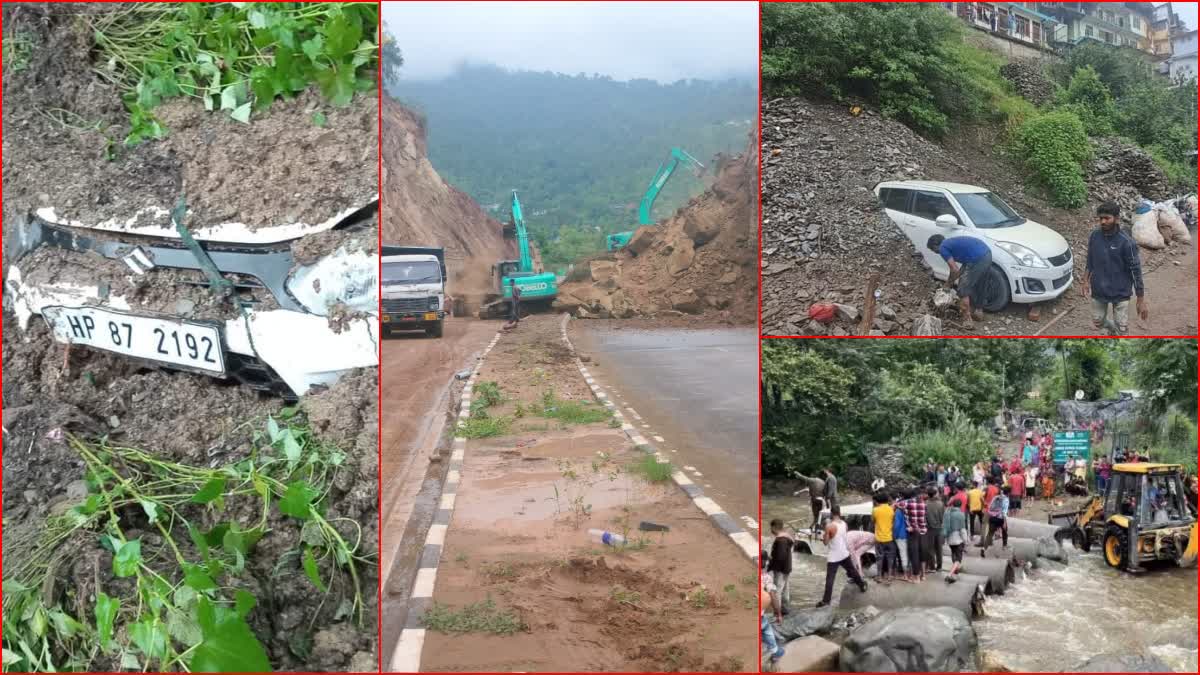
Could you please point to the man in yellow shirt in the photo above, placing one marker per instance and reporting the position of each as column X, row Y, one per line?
column 975, row 507
column 885, row 544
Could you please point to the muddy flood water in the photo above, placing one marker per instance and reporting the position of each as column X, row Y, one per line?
column 1054, row 619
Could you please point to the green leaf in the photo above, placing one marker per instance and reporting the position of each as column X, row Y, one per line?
column 243, row 603
column 11, row 658
column 241, row 541
column 312, row 47
column 39, row 621
column 311, row 534
column 12, row 586
column 318, row 118
column 210, row 491
column 228, row 645
column 297, row 501
column 258, row 19
column 106, row 614
column 216, row 536
column 291, row 448
column 337, row 84
column 310, row 569
column 198, row 539
column 183, row 627
column 273, row 431
column 91, row 505
column 184, row 596
column 287, row 413
column 150, row 636
column 363, row 53
column 342, row 37
column 125, row 562
column 63, row 624
column 129, row 661
column 197, row 578
column 242, row 113
column 151, row 510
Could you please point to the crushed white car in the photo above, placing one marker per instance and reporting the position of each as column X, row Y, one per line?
column 282, row 309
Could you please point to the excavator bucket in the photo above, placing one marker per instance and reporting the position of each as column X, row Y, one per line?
column 1188, row 558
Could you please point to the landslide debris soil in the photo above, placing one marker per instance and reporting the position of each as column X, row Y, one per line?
column 824, row 233
column 422, row 209
column 702, row 261
column 197, row 421
column 61, row 120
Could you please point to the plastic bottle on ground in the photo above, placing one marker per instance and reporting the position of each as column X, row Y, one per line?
column 605, row 537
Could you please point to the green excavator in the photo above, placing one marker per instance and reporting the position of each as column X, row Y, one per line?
column 665, row 170
column 537, row 287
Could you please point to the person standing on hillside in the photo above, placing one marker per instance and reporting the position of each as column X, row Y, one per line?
column 969, row 259
column 1114, row 272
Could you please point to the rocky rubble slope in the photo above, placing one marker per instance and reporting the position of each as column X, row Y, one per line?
column 824, row 233
column 701, row 261
column 421, row 209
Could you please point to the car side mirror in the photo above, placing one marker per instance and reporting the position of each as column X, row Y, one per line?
column 946, row 220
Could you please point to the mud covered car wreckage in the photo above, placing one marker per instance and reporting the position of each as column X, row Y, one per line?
column 227, row 300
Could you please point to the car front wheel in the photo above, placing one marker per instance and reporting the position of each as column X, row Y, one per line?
column 994, row 293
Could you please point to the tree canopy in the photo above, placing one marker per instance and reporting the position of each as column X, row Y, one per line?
column 823, row 401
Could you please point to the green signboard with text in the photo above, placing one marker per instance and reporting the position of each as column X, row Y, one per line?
column 1078, row 442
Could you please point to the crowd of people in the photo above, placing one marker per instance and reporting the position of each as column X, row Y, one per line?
column 950, row 508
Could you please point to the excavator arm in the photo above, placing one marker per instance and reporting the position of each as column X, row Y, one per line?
column 665, row 170
column 526, row 260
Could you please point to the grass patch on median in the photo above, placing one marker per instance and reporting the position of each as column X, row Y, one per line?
column 651, row 469
column 484, row 427
column 477, row 617
column 571, row 412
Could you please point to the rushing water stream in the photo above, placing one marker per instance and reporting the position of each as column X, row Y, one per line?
column 1053, row 619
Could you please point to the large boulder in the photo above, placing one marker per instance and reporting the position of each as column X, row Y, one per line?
column 682, row 255
column 605, row 273
column 701, row 226
column 687, row 301
column 1123, row 663
column 801, row 622
column 642, row 240
column 810, row 654
column 920, row 639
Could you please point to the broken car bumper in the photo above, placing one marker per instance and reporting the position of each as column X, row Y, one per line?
column 285, row 327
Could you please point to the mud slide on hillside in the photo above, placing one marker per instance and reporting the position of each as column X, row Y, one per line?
column 520, row 586
column 702, row 261
column 421, row 209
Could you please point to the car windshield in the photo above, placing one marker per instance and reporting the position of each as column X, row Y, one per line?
column 987, row 210
column 401, row 273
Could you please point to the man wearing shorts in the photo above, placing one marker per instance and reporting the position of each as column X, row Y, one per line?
column 969, row 260
column 1114, row 273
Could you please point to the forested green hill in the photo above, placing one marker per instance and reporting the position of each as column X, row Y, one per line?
column 579, row 149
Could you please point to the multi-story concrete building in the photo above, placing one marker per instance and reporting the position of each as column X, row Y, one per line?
column 1020, row 22
column 1124, row 24
column 1183, row 56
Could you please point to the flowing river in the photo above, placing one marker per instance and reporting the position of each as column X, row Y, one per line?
column 1054, row 619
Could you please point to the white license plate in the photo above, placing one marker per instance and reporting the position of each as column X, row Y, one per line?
column 179, row 343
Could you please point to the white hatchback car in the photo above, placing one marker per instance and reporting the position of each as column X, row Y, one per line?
column 1032, row 260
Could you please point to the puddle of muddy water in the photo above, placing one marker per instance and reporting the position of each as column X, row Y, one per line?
column 1054, row 619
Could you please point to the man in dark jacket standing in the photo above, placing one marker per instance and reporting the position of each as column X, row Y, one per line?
column 831, row 497
column 1114, row 272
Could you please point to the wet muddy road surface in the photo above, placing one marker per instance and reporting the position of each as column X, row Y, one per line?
column 416, row 376
column 1053, row 619
column 693, row 393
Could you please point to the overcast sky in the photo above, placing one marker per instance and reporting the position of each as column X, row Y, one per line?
column 1186, row 12
column 664, row 41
